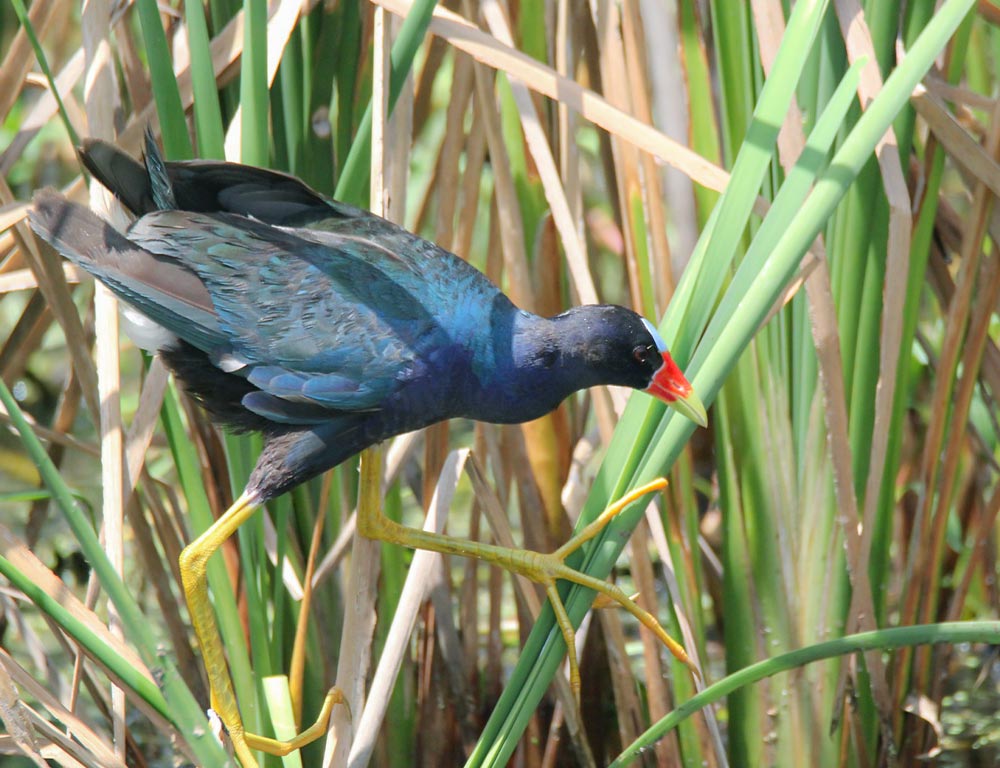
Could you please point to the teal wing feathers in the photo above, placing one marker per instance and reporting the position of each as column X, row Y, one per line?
column 320, row 306
column 309, row 316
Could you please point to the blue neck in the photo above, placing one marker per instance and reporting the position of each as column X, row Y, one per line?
column 529, row 365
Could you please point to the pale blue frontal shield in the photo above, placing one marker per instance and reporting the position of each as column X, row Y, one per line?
column 661, row 345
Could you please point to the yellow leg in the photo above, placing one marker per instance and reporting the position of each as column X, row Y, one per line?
column 193, row 567
column 544, row 569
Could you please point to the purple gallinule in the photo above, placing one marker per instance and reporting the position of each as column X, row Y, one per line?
column 328, row 329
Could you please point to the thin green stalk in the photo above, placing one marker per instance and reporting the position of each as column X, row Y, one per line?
column 704, row 135
column 342, row 54
column 255, row 122
column 290, row 116
column 882, row 639
column 207, row 112
column 745, row 711
column 354, row 175
column 43, row 63
column 173, row 127
column 733, row 37
column 637, row 214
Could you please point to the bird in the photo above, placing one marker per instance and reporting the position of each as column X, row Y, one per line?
column 328, row 329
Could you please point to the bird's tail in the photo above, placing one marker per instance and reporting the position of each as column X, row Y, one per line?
column 79, row 234
column 159, row 288
column 120, row 173
column 159, row 180
column 141, row 189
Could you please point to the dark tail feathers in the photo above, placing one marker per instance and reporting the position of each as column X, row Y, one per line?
column 123, row 175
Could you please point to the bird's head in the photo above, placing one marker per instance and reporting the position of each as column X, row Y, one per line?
column 667, row 381
column 628, row 351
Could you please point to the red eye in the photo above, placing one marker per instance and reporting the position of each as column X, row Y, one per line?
column 641, row 354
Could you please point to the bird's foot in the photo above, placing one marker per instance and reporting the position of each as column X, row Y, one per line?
column 544, row 569
column 547, row 569
column 244, row 743
column 281, row 748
